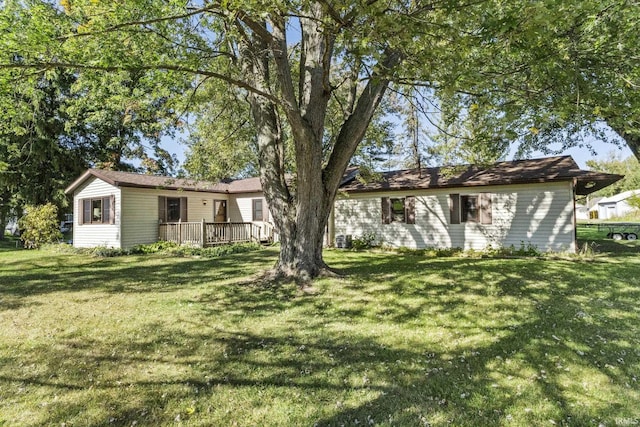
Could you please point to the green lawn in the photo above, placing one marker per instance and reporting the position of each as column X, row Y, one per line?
column 401, row 340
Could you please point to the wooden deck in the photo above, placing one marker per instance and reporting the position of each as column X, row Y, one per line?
column 205, row 234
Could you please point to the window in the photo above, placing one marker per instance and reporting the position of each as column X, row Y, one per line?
column 470, row 208
column 260, row 213
column 97, row 210
column 172, row 209
column 398, row 209
column 219, row 210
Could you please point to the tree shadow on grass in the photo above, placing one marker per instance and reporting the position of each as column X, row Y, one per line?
column 131, row 274
column 349, row 379
column 469, row 342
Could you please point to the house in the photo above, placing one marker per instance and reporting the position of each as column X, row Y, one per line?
column 527, row 202
column 472, row 207
column 122, row 209
column 616, row 205
column 582, row 212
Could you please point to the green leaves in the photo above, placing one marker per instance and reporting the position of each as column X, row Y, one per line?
column 39, row 226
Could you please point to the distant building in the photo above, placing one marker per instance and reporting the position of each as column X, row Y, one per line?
column 616, row 206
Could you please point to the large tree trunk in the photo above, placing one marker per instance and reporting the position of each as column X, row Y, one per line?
column 301, row 203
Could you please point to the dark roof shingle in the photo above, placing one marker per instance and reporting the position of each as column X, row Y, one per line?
column 129, row 179
column 551, row 169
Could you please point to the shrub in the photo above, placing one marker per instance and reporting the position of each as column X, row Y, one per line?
column 172, row 248
column 152, row 248
column 39, row 225
column 366, row 241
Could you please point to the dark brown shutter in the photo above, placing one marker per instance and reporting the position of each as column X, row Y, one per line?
column 265, row 211
column 106, row 210
column 486, row 215
column 454, row 208
column 410, row 209
column 86, row 211
column 162, row 209
column 386, row 210
column 183, row 209
column 80, row 212
column 112, row 212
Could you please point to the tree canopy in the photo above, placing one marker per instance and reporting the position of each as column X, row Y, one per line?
column 554, row 72
column 629, row 167
column 315, row 72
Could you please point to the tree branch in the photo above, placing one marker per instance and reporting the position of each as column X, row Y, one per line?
column 166, row 67
column 145, row 22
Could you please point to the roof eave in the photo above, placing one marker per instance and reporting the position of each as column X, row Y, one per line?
column 459, row 185
column 591, row 183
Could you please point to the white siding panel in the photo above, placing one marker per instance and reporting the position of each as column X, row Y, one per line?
column 241, row 210
column 140, row 213
column 91, row 235
column 241, row 207
column 536, row 214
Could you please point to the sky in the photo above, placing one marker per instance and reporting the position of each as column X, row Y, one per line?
column 602, row 150
column 580, row 154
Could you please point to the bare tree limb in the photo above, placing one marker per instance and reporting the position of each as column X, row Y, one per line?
column 167, row 67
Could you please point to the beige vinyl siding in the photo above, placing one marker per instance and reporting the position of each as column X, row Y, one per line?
column 140, row 213
column 241, row 210
column 536, row 214
column 241, row 207
column 91, row 235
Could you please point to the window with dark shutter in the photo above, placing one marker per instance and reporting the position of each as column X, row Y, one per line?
column 97, row 210
column 470, row 208
column 398, row 209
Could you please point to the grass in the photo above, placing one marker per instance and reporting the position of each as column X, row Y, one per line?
column 401, row 340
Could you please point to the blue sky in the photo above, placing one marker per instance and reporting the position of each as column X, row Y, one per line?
column 580, row 155
column 602, row 150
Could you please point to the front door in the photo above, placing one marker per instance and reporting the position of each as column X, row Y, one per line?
column 220, row 211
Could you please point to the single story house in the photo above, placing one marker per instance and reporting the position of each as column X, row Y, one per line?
column 122, row 209
column 472, row 207
column 616, row 205
column 530, row 202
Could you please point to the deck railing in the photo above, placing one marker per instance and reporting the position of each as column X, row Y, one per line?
column 208, row 233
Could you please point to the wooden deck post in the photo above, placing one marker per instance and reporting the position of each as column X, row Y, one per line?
column 202, row 231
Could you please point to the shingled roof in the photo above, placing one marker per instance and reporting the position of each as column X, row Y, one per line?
column 129, row 179
column 550, row 169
